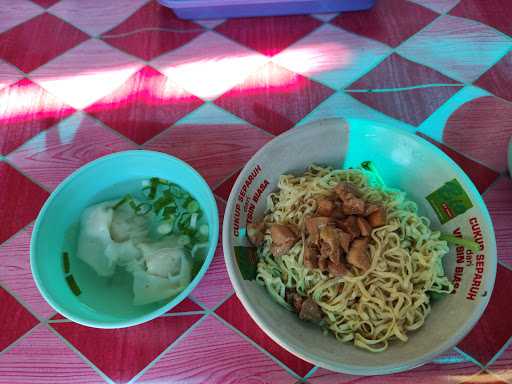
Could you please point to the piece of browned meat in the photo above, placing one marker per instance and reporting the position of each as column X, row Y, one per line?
column 297, row 301
column 337, row 212
column 313, row 226
column 330, row 244
column 345, row 239
column 283, row 238
column 310, row 311
column 349, row 225
column 336, row 269
column 256, row 233
column 370, row 208
column 325, row 207
column 346, row 190
column 353, row 206
column 357, row 255
column 377, row 218
column 310, row 256
column 323, row 263
column 364, row 227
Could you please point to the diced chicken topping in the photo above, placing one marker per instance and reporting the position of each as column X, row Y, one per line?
column 357, row 255
column 325, row 207
column 255, row 233
column 323, row 264
column 336, row 269
column 364, row 227
column 370, row 208
column 349, row 225
column 330, row 244
column 344, row 239
column 310, row 311
column 346, row 190
column 283, row 238
column 297, row 301
column 310, row 256
column 313, row 226
column 377, row 218
column 353, row 206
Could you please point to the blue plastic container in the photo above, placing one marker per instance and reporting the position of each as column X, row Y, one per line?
column 221, row 9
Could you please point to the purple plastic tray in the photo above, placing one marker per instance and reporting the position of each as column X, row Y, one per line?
column 221, row 9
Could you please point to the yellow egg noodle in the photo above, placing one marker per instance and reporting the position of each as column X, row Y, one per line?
column 389, row 299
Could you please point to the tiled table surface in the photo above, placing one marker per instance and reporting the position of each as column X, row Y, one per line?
column 81, row 79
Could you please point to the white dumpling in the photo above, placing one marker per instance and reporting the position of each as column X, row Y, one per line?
column 95, row 244
column 169, row 271
column 94, row 238
column 148, row 288
column 126, row 225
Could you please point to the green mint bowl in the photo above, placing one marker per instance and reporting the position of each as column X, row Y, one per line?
column 106, row 302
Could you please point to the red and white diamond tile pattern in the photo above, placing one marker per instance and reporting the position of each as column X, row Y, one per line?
column 79, row 80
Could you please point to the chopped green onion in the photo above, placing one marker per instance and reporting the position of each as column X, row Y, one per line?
column 193, row 206
column 168, row 212
column 370, row 167
column 143, row 208
column 125, row 199
column 65, row 262
column 183, row 240
column 466, row 243
column 193, row 221
column 73, row 285
column 437, row 295
column 164, row 228
column 203, row 229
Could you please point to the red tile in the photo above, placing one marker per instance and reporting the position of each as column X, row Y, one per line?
column 25, row 110
column 16, row 276
column 499, row 202
column 497, row 80
column 214, row 354
column 268, row 35
column 496, row 13
column 481, row 176
column 214, row 150
column 449, row 368
column 144, row 105
column 215, row 286
column 122, row 353
column 234, row 313
column 398, row 72
column 18, row 195
column 15, row 320
column 186, row 305
column 41, row 358
column 274, row 98
column 389, row 21
column 413, row 105
column 54, row 154
column 45, row 3
column 151, row 31
column 225, row 188
column 8, row 74
column 37, row 41
column 493, row 329
column 482, row 128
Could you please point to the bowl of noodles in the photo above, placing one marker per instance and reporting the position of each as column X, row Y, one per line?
column 359, row 247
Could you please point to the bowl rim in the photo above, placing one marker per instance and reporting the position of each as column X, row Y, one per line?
column 159, row 311
column 341, row 367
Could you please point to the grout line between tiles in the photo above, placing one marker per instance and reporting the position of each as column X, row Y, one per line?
column 80, row 355
column 469, row 357
column 258, row 347
column 150, row 29
column 505, row 265
column 19, row 339
column 400, row 89
column 222, row 181
column 499, row 353
column 495, row 181
column 178, row 314
column 169, row 348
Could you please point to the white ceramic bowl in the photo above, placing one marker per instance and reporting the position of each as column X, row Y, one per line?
column 405, row 161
